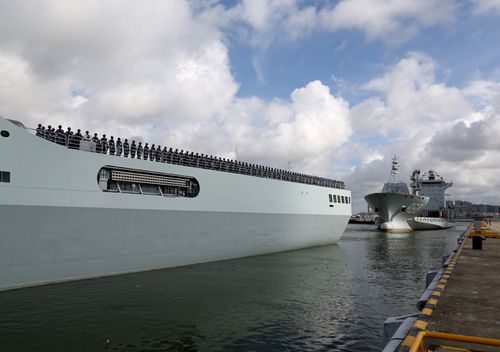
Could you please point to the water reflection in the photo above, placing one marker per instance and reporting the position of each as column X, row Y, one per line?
column 326, row 298
column 389, row 270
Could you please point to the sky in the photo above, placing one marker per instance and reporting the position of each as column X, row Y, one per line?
column 329, row 88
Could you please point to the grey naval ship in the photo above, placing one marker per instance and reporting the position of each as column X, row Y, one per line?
column 395, row 205
column 74, row 206
column 423, row 209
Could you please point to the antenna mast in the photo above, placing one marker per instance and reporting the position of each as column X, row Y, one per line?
column 393, row 178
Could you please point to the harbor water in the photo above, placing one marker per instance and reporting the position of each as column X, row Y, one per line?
column 330, row 298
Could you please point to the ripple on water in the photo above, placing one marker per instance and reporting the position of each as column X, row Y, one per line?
column 331, row 298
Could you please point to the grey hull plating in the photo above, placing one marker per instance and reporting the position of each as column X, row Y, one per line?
column 57, row 224
column 70, row 243
column 395, row 209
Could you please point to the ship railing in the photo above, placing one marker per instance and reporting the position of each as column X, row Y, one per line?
column 84, row 143
column 423, row 218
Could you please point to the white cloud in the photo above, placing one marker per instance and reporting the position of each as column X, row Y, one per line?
column 429, row 125
column 304, row 131
column 413, row 99
column 484, row 92
column 193, row 85
column 371, row 156
column 161, row 72
column 138, row 63
column 463, row 143
column 265, row 19
column 371, row 115
column 486, row 6
column 393, row 21
column 301, row 23
column 257, row 13
column 26, row 96
column 388, row 20
column 263, row 22
column 16, row 81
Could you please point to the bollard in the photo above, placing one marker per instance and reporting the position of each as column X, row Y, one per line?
column 477, row 242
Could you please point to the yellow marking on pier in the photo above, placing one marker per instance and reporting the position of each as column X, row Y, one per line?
column 409, row 341
column 427, row 311
column 420, row 324
column 432, row 301
column 437, row 293
column 440, row 286
column 486, row 234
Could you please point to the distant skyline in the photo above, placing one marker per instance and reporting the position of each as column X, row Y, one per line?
column 332, row 88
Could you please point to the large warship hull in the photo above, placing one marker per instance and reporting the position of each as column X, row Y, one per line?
column 395, row 209
column 57, row 224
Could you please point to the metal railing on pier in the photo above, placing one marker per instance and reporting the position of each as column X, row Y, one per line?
column 442, row 340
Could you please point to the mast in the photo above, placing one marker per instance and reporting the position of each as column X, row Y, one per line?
column 393, row 178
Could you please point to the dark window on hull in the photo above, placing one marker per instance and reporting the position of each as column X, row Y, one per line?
column 120, row 180
column 5, row 176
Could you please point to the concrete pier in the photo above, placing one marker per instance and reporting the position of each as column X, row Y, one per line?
column 464, row 308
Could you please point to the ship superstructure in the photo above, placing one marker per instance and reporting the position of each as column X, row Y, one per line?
column 434, row 187
column 395, row 205
column 434, row 215
column 69, row 210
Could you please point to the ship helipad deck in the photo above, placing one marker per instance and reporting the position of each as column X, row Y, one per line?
column 465, row 305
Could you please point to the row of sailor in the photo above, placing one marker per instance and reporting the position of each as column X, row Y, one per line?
column 104, row 146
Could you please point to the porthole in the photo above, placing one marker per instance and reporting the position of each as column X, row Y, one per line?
column 5, row 133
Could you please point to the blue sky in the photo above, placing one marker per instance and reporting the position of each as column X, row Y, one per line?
column 465, row 50
column 335, row 88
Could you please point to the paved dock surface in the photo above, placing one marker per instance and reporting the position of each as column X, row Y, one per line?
column 470, row 301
